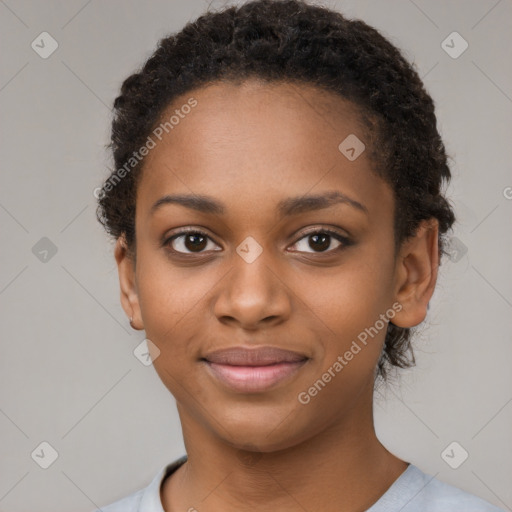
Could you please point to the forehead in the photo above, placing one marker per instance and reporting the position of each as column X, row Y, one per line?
column 254, row 141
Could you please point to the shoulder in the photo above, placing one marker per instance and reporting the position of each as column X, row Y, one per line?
column 417, row 491
column 127, row 504
column 147, row 499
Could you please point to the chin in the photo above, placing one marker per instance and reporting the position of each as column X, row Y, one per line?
column 259, row 429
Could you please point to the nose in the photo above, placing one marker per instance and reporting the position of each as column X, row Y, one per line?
column 253, row 296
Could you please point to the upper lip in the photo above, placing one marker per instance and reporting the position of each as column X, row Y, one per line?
column 260, row 356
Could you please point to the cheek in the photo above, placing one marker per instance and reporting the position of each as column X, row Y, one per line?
column 167, row 302
column 167, row 293
column 351, row 298
column 347, row 311
column 172, row 305
column 348, row 306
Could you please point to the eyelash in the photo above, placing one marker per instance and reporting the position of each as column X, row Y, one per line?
column 344, row 240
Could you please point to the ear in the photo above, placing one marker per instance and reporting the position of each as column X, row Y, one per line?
column 416, row 274
column 127, row 282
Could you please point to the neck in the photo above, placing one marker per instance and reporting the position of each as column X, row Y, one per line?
column 342, row 468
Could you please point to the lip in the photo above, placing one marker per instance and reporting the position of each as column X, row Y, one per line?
column 257, row 356
column 253, row 370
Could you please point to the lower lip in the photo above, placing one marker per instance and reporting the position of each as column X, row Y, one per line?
column 253, row 379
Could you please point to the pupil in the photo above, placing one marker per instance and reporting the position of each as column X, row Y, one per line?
column 195, row 244
column 324, row 245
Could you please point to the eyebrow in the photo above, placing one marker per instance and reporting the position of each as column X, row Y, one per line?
column 285, row 208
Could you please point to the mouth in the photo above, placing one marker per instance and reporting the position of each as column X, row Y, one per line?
column 253, row 370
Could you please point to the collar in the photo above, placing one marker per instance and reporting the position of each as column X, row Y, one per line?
column 150, row 500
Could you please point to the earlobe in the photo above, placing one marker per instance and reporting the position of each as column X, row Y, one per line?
column 126, row 272
column 416, row 274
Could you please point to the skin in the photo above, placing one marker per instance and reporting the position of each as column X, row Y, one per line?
column 251, row 145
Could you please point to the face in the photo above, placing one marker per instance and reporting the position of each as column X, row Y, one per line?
column 259, row 264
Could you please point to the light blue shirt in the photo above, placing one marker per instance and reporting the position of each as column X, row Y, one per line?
column 412, row 491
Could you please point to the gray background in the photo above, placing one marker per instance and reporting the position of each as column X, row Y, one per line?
column 68, row 374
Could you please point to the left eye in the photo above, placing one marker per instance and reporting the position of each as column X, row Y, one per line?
column 321, row 240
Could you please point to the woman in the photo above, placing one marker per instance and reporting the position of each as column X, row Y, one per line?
column 279, row 220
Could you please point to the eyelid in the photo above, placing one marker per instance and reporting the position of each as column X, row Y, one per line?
column 324, row 229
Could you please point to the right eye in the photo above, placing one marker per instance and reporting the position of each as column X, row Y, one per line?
column 194, row 241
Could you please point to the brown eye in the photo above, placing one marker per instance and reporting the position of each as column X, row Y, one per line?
column 321, row 241
column 189, row 242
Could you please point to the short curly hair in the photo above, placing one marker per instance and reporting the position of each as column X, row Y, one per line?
column 295, row 42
